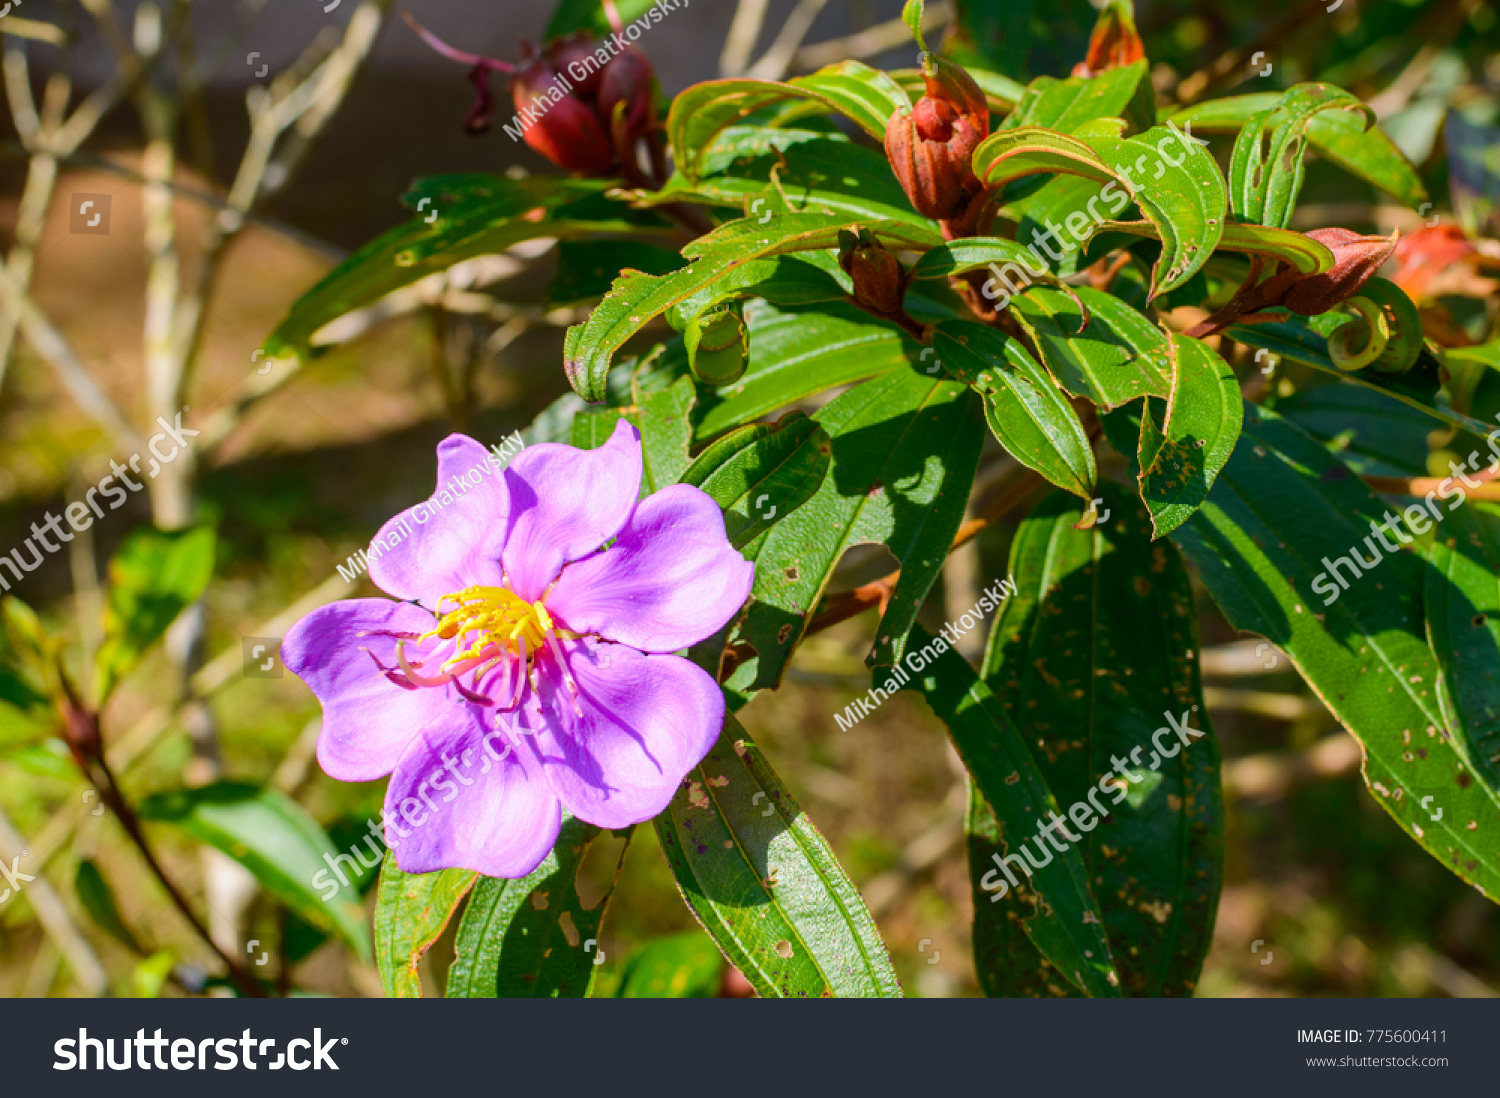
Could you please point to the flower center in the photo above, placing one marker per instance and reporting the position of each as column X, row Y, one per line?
column 491, row 617
column 488, row 627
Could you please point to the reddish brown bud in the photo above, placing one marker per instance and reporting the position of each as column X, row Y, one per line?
column 1355, row 260
column 574, row 58
column 1115, row 42
column 628, row 79
column 564, row 129
column 879, row 279
column 931, row 150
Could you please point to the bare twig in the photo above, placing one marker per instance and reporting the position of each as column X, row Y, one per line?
column 871, row 42
column 774, row 64
column 744, row 33
column 54, row 917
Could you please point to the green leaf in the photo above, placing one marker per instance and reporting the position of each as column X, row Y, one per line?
column 533, row 938
column 1108, row 360
column 1339, row 136
column 677, row 966
column 1180, row 462
column 1283, row 245
column 589, row 15
column 760, row 474
column 905, row 449
column 475, row 215
column 1361, row 649
column 663, row 421
column 273, row 837
column 98, row 900
column 959, row 257
column 1174, row 180
column 636, row 298
column 1067, row 926
column 1023, row 406
column 411, row 912
column 1418, row 388
column 1093, row 652
column 153, row 577
column 1265, row 170
column 764, row 883
column 586, row 268
column 798, row 352
column 1064, row 105
column 867, row 96
column 1462, row 601
column 1374, row 434
column 149, row 976
column 815, row 173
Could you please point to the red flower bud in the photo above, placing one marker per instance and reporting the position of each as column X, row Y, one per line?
column 1115, row 42
column 628, row 79
column 564, row 129
column 879, row 279
column 1355, row 260
column 574, row 56
column 931, row 150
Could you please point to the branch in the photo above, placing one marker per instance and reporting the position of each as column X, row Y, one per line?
column 744, row 33
column 777, row 59
column 871, row 42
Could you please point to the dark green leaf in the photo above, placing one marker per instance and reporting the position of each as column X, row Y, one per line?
column 1096, row 654
column 1109, row 360
column 1265, row 171
column 153, row 577
column 533, row 938
column 1338, row 136
column 905, row 448
column 1175, row 182
column 411, row 912
column 865, row 95
column 273, row 837
column 1180, row 461
column 1064, row 105
column 1462, row 599
column 678, row 966
column 1363, row 649
column 1067, row 926
column 636, row 298
column 587, row 268
column 1418, row 388
column 589, row 15
column 461, row 217
column 1026, row 411
column 797, row 352
column 99, row 901
column 761, row 474
column 764, row 883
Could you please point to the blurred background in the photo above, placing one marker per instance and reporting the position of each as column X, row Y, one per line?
column 239, row 151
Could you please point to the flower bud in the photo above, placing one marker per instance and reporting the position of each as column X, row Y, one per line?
column 564, row 129
column 879, row 279
column 931, row 149
column 1114, row 43
column 573, row 57
column 628, row 79
column 1355, row 260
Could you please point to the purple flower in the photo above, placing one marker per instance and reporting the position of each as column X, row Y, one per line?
column 529, row 666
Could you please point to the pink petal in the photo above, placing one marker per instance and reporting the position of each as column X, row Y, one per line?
column 670, row 579
column 467, row 799
column 454, row 539
column 647, row 720
column 565, row 503
column 368, row 721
